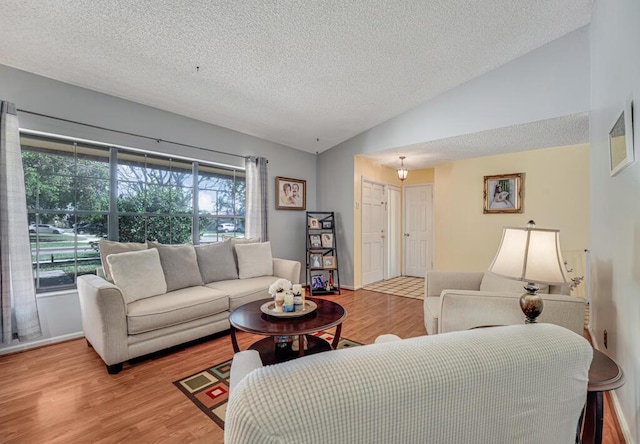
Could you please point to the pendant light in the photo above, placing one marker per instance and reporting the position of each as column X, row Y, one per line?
column 402, row 171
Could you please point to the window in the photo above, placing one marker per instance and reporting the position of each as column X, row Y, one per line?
column 71, row 205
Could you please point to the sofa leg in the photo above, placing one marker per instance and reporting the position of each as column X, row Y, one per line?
column 114, row 369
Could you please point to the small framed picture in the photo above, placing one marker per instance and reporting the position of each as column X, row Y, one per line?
column 314, row 241
column 315, row 261
column 503, row 193
column 317, row 282
column 291, row 194
column 328, row 262
column 621, row 141
column 314, row 223
column 327, row 224
column 327, row 240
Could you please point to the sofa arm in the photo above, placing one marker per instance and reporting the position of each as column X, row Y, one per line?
column 287, row 269
column 243, row 363
column 104, row 318
column 463, row 309
column 436, row 281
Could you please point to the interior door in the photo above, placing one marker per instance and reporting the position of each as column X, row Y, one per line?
column 418, row 229
column 372, row 232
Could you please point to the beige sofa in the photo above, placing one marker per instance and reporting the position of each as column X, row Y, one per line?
column 152, row 296
column 461, row 300
column 514, row 384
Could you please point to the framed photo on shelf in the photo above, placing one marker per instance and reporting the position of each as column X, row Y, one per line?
column 327, row 224
column 328, row 262
column 315, row 261
column 314, row 241
column 314, row 223
column 327, row 240
column 291, row 194
column 621, row 141
column 503, row 193
column 317, row 282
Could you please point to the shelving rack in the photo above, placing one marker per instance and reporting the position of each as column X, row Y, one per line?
column 322, row 253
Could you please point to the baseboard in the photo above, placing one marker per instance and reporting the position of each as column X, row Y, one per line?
column 624, row 427
column 41, row 343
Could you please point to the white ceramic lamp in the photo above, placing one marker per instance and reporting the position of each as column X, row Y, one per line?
column 531, row 255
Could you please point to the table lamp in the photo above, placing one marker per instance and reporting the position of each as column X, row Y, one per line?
column 531, row 255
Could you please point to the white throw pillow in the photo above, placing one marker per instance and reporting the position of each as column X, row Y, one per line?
column 138, row 274
column 254, row 259
column 491, row 282
column 108, row 247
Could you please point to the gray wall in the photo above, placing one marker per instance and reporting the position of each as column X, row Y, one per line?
column 615, row 205
column 39, row 94
column 549, row 82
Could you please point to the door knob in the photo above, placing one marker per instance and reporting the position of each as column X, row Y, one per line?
column 406, row 234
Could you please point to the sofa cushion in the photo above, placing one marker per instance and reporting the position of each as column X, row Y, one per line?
column 243, row 291
column 240, row 240
column 179, row 264
column 174, row 308
column 108, row 247
column 138, row 274
column 216, row 262
column 254, row 260
column 491, row 282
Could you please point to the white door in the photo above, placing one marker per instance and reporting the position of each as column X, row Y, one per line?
column 372, row 232
column 394, row 233
column 418, row 229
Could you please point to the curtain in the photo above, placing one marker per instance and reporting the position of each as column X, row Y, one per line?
column 256, row 217
column 18, row 295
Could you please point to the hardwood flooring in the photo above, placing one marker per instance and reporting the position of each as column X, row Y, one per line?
column 62, row 393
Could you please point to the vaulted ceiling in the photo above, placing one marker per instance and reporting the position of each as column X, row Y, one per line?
column 307, row 74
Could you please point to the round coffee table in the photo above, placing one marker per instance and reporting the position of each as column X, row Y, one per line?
column 251, row 319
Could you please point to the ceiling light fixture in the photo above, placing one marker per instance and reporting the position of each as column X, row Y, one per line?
column 402, row 171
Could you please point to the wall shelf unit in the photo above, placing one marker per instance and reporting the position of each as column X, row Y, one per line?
column 323, row 277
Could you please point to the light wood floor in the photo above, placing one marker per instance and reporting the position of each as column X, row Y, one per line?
column 62, row 393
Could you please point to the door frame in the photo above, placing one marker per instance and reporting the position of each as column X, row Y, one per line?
column 389, row 235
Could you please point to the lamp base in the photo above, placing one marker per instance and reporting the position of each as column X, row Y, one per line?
column 531, row 304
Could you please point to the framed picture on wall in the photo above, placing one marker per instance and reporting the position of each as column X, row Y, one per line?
column 621, row 140
column 503, row 193
column 291, row 194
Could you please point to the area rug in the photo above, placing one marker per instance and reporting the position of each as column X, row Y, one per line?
column 208, row 389
column 408, row 287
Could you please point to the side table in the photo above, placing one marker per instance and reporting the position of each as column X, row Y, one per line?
column 604, row 375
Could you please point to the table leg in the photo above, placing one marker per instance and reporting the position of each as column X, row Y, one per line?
column 300, row 345
column 234, row 340
column 593, row 419
column 336, row 337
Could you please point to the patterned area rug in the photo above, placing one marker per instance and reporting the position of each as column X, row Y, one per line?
column 409, row 287
column 209, row 389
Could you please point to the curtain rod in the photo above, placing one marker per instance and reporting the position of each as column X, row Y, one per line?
column 132, row 134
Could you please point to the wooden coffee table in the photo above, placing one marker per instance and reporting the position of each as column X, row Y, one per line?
column 251, row 319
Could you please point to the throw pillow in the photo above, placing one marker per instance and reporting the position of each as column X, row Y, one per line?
column 242, row 240
column 138, row 274
column 216, row 262
column 254, row 260
column 108, row 247
column 491, row 282
column 179, row 264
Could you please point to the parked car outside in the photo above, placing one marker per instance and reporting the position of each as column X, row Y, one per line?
column 45, row 228
column 226, row 227
column 90, row 229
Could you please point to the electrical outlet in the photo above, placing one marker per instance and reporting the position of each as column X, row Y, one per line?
column 605, row 339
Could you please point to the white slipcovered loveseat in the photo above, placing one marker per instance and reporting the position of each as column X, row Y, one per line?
column 458, row 300
column 153, row 296
column 515, row 384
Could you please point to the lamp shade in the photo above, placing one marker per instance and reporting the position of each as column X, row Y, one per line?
column 530, row 255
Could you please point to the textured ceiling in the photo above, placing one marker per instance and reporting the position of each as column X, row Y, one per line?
column 561, row 131
column 291, row 72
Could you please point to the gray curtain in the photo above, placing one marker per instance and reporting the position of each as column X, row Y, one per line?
column 256, row 217
column 19, row 309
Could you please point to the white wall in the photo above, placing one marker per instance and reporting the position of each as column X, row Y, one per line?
column 39, row 94
column 615, row 202
column 549, row 82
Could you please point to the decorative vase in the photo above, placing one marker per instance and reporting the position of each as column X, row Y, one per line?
column 279, row 298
